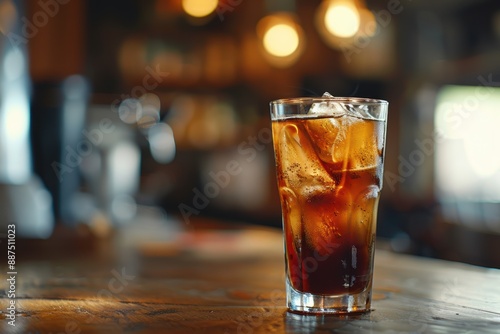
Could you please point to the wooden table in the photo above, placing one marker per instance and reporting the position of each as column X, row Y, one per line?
column 230, row 281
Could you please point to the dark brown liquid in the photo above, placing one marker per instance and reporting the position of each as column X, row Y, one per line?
column 329, row 213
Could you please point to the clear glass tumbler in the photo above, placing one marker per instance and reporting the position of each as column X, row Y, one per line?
column 329, row 162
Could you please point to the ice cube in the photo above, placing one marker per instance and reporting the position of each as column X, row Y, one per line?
column 365, row 144
column 360, row 111
column 299, row 163
column 325, row 212
column 353, row 143
column 331, row 137
column 364, row 213
column 292, row 215
column 359, row 143
column 323, row 133
column 333, row 106
column 341, row 145
column 327, row 107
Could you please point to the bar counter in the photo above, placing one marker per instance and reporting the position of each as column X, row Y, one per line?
column 154, row 279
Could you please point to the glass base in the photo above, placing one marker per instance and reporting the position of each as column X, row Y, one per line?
column 304, row 303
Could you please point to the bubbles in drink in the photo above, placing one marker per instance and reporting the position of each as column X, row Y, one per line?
column 292, row 214
column 300, row 163
column 364, row 213
column 323, row 227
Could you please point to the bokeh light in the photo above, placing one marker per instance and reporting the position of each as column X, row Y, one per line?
column 342, row 19
column 199, row 8
column 281, row 37
column 281, row 40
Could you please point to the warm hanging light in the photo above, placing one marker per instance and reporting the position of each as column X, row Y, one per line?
column 341, row 22
column 199, row 8
column 282, row 38
column 342, row 19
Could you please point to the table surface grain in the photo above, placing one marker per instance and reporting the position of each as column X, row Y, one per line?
column 226, row 281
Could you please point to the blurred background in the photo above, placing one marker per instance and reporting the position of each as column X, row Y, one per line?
column 116, row 112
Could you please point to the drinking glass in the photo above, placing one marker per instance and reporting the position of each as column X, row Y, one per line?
column 329, row 156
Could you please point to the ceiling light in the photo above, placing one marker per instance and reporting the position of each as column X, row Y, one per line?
column 199, row 8
column 342, row 19
column 281, row 37
column 281, row 40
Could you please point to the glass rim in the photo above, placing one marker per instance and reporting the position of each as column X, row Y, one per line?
column 339, row 99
